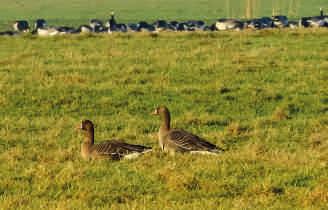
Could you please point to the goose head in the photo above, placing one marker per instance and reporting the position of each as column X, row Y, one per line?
column 161, row 111
column 164, row 114
column 87, row 129
column 86, row 126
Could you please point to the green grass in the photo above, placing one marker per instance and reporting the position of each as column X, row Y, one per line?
column 80, row 11
column 263, row 96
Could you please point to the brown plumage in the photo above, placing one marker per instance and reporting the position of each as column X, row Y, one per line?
column 175, row 140
column 113, row 149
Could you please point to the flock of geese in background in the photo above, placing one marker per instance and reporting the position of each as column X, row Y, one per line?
column 97, row 26
column 170, row 140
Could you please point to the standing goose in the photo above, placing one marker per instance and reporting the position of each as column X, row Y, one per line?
column 175, row 140
column 113, row 149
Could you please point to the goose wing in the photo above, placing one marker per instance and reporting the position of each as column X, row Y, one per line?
column 189, row 142
column 117, row 149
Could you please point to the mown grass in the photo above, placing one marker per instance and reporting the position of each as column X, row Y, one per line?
column 263, row 96
column 81, row 11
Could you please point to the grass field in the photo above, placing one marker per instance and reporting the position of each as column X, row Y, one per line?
column 76, row 12
column 263, row 96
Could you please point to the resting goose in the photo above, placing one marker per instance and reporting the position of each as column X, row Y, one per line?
column 40, row 23
column 280, row 21
column 21, row 26
column 228, row 24
column 175, row 140
column 96, row 25
column 160, row 25
column 113, row 149
column 84, row 29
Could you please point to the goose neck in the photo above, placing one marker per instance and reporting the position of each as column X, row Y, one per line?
column 165, row 117
column 89, row 137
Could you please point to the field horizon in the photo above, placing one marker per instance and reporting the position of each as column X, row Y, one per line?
column 77, row 12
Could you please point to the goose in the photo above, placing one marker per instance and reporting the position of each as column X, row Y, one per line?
column 254, row 24
column 160, row 25
column 292, row 24
column 84, row 29
column 132, row 27
column 21, row 26
column 315, row 21
column 173, row 25
column 228, row 24
column 143, row 26
column 175, row 140
column 210, row 28
column 40, row 23
column 121, row 27
column 52, row 31
column 44, row 32
column 111, row 23
column 66, row 30
column 194, row 25
column 113, row 149
column 96, row 25
column 182, row 26
column 280, row 21
column 260, row 23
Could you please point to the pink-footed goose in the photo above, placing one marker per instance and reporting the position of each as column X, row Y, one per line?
column 113, row 149
column 176, row 140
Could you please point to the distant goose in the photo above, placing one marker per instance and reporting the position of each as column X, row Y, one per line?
column 293, row 24
column 121, row 27
column 173, row 25
column 45, row 32
column 111, row 23
column 66, row 30
column 260, row 23
column 210, row 28
column 175, row 140
column 280, row 21
column 40, row 23
column 132, row 27
column 84, row 29
column 143, row 26
column 41, row 29
column 96, row 25
column 228, row 24
column 315, row 21
column 161, row 25
column 21, row 26
column 194, row 25
column 182, row 26
column 54, row 31
column 113, row 149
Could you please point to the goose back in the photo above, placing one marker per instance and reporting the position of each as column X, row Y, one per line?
column 184, row 141
column 116, row 149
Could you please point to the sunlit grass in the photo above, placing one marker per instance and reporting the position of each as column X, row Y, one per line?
column 262, row 96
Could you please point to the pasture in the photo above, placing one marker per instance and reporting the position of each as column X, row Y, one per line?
column 260, row 95
column 81, row 11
